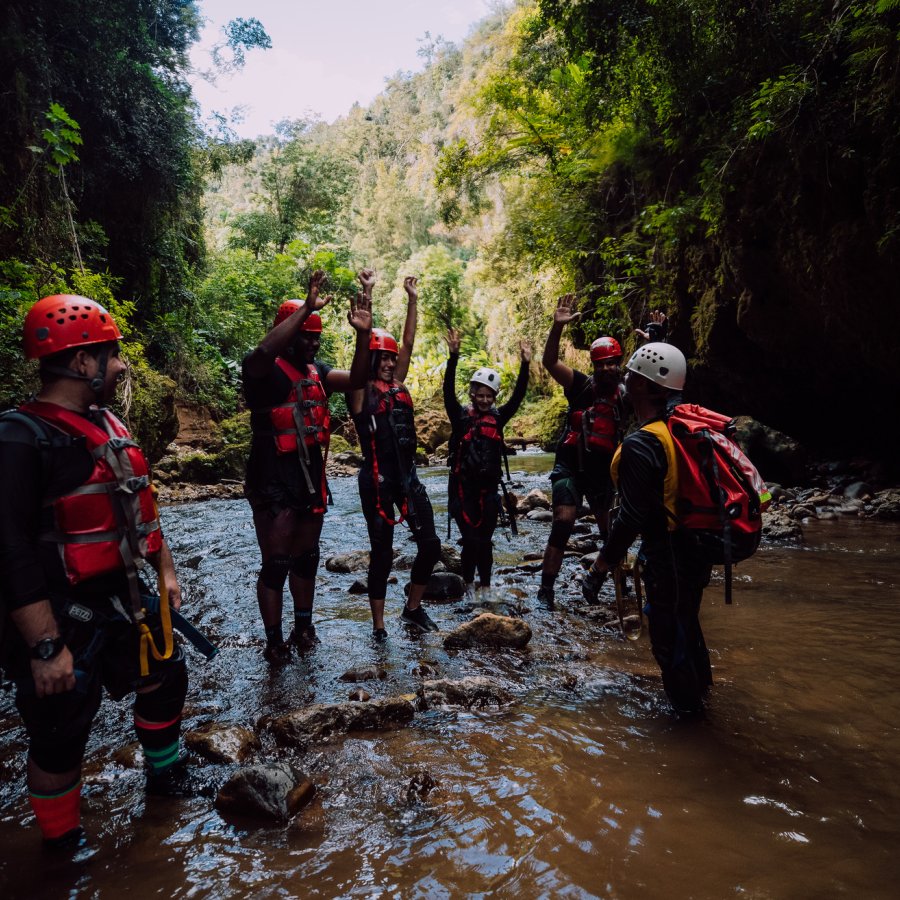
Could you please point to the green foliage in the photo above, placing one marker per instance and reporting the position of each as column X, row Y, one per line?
column 62, row 136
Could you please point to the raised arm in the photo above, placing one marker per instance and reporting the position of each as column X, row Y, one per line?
column 261, row 361
column 657, row 329
column 511, row 407
column 562, row 316
column 409, row 328
column 355, row 387
column 451, row 404
column 360, row 318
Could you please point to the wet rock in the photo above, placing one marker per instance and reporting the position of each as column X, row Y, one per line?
column 275, row 791
column 802, row 512
column 533, row 500
column 581, row 528
column 475, row 691
column 432, row 428
column 223, row 744
column 779, row 526
column 585, row 545
column 851, row 508
column 348, row 458
column 348, row 562
column 886, row 505
column 540, row 515
column 451, row 559
column 777, row 456
column 826, row 514
column 420, row 785
column 368, row 673
column 359, row 695
column 489, row 630
column 589, row 559
column 533, row 555
column 442, row 587
column 131, row 756
column 423, row 670
column 321, row 720
column 859, row 490
column 359, row 586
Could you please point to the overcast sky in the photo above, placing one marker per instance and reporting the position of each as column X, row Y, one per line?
column 325, row 55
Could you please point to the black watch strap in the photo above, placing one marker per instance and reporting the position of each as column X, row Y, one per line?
column 47, row 648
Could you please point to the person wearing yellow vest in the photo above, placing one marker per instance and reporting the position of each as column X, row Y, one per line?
column 675, row 570
column 78, row 525
column 287, row 392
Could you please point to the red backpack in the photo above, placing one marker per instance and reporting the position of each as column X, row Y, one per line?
column 721, row 495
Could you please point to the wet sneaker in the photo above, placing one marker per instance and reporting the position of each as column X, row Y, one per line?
column 305, row 641
column 590, row 586
column 178, row 780
column 418, row 618
column 71, row 840
column 379, row 635
column 277, row 654
column 546, row 597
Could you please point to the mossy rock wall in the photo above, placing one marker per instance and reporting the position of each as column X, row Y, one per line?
column 152, row 418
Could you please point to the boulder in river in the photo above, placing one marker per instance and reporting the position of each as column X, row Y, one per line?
column 275, row 791
column 540, row 515
column 321, row 720
column 363, row 673
column 359, row 695
column 222, row 743
column 779, row 526
column 536, row 499
column 489, row 630
column 356, row 561
column 442, row 587
column 468, row 692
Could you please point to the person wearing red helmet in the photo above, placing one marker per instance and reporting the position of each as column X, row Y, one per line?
column 383, row 416
column 78, row 524
column 287, row 392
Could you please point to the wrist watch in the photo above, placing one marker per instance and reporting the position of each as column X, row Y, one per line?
column 47, row 648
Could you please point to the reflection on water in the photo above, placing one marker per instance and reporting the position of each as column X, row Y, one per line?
column 584, row 787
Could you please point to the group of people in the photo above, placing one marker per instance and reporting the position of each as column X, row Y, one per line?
column 80, row 528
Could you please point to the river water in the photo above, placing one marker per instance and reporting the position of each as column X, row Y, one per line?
column 585, row 786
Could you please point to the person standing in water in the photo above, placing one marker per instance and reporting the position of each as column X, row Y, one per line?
column 476, row 458
column 383, row 415
column 287, row 391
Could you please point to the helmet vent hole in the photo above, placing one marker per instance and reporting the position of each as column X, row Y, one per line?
column 72, row 318
column 60, row 321
column 663, row 370
column 84, row 315
column 42, row 333
column 50, row 315
column 102, row 318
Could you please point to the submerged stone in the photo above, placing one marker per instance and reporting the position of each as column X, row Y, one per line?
column 468, row 692
column 364, row 673
column 321, row 720
column 348, row 562
column 275, row 791
column 489, row 630
column 222, row 743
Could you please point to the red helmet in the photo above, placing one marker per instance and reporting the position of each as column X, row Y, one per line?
column 66, row 320
column 383, row 340
column 313, row 322
column 605, row 348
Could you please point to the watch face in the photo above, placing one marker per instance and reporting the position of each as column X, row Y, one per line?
column 47, row 648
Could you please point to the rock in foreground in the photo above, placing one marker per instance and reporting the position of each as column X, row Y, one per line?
column 222, row 743
column 489, row 630
column 467, row 692
column 275, row 791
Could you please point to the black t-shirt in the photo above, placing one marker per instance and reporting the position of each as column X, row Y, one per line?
column 31, row 569
column 265, row 464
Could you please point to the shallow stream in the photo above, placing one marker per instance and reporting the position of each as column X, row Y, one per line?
column 586, row 786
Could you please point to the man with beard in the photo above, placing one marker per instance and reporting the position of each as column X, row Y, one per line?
column 78, row 523
column 287, row 391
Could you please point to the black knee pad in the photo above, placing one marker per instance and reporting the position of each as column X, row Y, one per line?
column 274, row 572
column 166, row 702
column 560, row 532
column 305, row 564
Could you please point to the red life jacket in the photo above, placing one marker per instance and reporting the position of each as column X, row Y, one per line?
column 110, row 523
column 480, row 450
column 304, row 412
column 391, row 425
column 598, row 426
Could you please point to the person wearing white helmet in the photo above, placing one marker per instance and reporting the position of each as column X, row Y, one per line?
column 674, row 569
column 476, row 454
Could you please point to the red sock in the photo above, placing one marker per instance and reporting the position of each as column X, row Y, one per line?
column 58, row 814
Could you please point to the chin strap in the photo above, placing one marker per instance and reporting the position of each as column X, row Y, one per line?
column 95, row 383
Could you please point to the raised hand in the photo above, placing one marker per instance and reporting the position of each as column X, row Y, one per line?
column 360, row 314
column 453, row 339
column 525, row 351
column 317, row 282
column 657, row 317
column 409, row 285
column 565, row 310
column 367, row 280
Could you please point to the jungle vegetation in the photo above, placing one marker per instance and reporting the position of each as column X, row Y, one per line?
column 733, row 163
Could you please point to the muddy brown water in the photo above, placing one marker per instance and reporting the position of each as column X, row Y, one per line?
column 586, row 786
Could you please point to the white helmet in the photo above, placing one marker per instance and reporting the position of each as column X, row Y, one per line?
column 488, row 377
column 661, row 363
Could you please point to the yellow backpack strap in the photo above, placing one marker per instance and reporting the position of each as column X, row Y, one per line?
column 660, row 430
